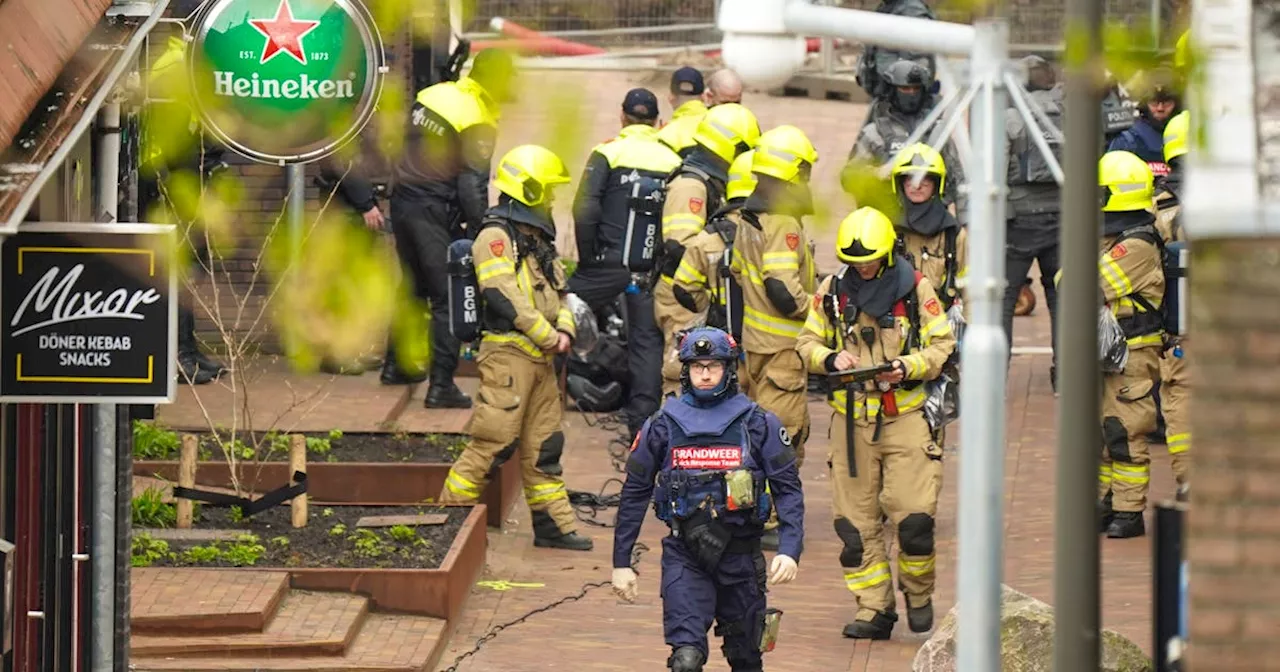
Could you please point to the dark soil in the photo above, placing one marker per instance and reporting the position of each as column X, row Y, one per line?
column 347, row 447
column 330, row 539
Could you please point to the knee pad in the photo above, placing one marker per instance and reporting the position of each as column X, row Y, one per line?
column 549, row 454
column 1116, row 438
column 915, row 534
column 851, row 554
column 686, row 659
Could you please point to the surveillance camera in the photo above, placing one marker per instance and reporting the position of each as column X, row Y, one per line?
column 757, row 44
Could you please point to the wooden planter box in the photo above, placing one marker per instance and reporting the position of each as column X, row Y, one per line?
column 440, row 593
column 358, row 483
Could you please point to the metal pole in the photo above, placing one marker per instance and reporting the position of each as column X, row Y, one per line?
column 297, row 177
column 1076, row 564
column 983, row 360
column 102, row 550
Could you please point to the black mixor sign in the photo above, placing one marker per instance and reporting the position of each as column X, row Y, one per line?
column 88, row 314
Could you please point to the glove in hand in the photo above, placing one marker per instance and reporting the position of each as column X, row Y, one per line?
column 783, row 570
column 625, row 583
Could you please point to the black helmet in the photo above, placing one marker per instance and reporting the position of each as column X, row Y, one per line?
column 1039, row 74
column 907, row 73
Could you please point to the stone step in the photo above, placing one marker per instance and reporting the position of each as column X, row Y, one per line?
column 203, row 601
column 385, row 643
column 306, row 624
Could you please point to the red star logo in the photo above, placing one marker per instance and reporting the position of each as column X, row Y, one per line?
column 283, row 34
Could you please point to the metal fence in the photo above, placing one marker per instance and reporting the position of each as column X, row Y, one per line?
column 1034, row 24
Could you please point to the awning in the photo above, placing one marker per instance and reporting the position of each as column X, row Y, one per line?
column 67, row 110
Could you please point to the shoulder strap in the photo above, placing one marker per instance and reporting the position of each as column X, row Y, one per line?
column 1149, row 234
column 949, row 237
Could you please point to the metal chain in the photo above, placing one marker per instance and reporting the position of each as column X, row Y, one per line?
column 639, row 550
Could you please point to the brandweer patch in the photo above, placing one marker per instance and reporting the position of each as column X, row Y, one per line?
column 706, row 457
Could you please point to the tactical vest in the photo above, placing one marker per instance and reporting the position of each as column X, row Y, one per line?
column 908, row 307
column 1032, row 167
column 707, row 450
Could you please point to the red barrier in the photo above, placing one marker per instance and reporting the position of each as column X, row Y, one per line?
column 545, row 46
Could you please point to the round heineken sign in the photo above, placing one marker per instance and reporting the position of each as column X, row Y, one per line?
column 286, row 81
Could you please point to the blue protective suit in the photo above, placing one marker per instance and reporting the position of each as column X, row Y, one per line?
column 679, row 460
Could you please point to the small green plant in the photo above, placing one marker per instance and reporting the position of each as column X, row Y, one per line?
column 236, row 514
column 202, row 555
column 368, row 544
column 402, row 533
column 337, row 530
column 150, row 510
column 456, row 446
column 318, row 446
column 282, row 542
column 244, row 552
column 153, row 442
column 326, row 512
column 145, row 550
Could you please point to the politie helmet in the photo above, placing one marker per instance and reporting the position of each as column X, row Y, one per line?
column 706, row 344
column 908, row 74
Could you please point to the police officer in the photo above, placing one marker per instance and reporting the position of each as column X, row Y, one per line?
column 604, row 213
column 695, row 190
column 891, row 121
column 934, row 241
column 700, row 284
column 773, row 264
column 1132, row 283
column 441, row 193
column 712, row 452
column 174, row 142
column 1034, row 203
column 687, row 110
column 525, row 325
column 1175, row 399
column 1158, row 102
column 878, row 310
column 876, row 60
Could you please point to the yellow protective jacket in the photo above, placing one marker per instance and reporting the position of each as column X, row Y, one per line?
column 523, row 310
column 1129, row 267
column 929, row 256
column 923, row 347
column 772, row 262
column 678, row 133
column 697, row 282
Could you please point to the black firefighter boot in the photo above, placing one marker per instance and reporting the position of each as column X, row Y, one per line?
column 445, row 394
column 1126, row 525
column 189, row 369
column 919, row 619
column 879, row 627
column 395, row 374
column 546, row 534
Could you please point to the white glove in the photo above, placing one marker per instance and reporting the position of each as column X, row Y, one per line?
column 783, row 570
column 624, row 582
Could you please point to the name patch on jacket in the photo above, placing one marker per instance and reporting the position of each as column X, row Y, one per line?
column 706, row 457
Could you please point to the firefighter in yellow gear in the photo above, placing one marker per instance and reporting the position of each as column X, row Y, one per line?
column 1175, row 394
column 773, row 264
column 525, row 324
column 701, row 284
column 1132, row 283
column 695, row 190
column 878, row 311
column 935, row 243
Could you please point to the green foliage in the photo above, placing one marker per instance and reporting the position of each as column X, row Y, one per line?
column 327, row 512
column 570, row 267
column 282, row 542
column 244, row 552
column 146, row 551
column 402, row 534
column 369, row 544
column 153, row 442
column 202, row 555
column 150, row 510
column 337, row 530
column 236, row 514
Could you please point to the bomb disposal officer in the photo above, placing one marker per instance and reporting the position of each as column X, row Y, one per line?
column 601, row 212
column 711, row 452
column 879, row 310
column 441, row 194
column 525, row 325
